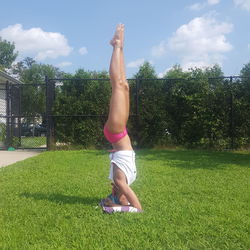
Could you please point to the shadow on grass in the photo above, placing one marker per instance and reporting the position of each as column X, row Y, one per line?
column 192, row 159
column 62, row 199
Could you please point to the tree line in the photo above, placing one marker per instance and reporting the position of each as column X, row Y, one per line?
column 199, row 108
column 195, row 108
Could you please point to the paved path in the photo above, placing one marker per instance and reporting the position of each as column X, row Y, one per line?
column 10, row 157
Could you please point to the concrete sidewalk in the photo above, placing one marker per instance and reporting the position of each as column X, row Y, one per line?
column 10, row 157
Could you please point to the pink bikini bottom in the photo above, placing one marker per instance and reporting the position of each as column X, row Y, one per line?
column 113, row 138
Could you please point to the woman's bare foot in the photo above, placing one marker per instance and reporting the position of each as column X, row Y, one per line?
column 118, row 39
column 122, row 35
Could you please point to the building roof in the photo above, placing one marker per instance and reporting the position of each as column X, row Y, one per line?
column 5, row 77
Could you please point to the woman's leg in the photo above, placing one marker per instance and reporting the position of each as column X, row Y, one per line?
column 123, row 72
column 124, row 189
column 119, row 103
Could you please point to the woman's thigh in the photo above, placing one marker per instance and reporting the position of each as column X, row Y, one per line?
column 118, row 110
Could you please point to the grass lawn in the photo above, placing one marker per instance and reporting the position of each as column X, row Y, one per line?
column 191, row 200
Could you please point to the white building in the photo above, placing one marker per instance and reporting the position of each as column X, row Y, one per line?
column 4, row 79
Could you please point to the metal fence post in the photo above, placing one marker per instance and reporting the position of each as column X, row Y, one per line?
column 50, row 96
column 231, row 115
column 46, row 112
column 138, row 83
column 8, row 125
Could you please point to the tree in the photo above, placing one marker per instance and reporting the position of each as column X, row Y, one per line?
column 146, row 71
column 18, row 68
column 176, row 72
column 212, row 108
column 245, row 71
column 195, row 105
column 33, row 91
column 35, row 73
column 82, row 105
column 150, row 127
column 7, row 54
column 177, row 102
column 242, row 106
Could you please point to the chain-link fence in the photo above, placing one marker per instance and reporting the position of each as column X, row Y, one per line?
column 23, row 122
column 71, row 113
column 197, row 112
column 79, row 111
column 204, row 113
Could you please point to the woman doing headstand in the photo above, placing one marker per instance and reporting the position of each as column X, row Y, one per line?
column 122, row 168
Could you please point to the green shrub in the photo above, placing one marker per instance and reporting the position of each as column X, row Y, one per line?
column 2, row 132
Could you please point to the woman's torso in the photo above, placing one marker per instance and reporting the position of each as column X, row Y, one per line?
column 123, row 144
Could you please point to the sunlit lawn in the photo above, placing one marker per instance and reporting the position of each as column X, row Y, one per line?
column 191, row 200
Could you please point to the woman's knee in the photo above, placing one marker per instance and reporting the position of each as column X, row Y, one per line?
column 120, row 85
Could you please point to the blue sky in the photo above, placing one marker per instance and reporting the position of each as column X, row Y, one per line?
column 75, row 34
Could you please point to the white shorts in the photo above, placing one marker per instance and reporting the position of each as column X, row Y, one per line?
column 125, row 160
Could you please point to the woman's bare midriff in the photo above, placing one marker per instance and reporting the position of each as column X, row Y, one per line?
column 123, row 144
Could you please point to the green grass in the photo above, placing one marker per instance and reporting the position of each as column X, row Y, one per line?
column 191, row 200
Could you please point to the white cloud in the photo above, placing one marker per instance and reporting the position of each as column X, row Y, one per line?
column 197, row 6
column 137, row 63
column 213, row 2
column 162, row 74
column 202, row 5
column 244, row 4
column 198, row 64
column 83, row 51
column 159, row 50
column 200, row 42
column 36, row 42
column 64, row 64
